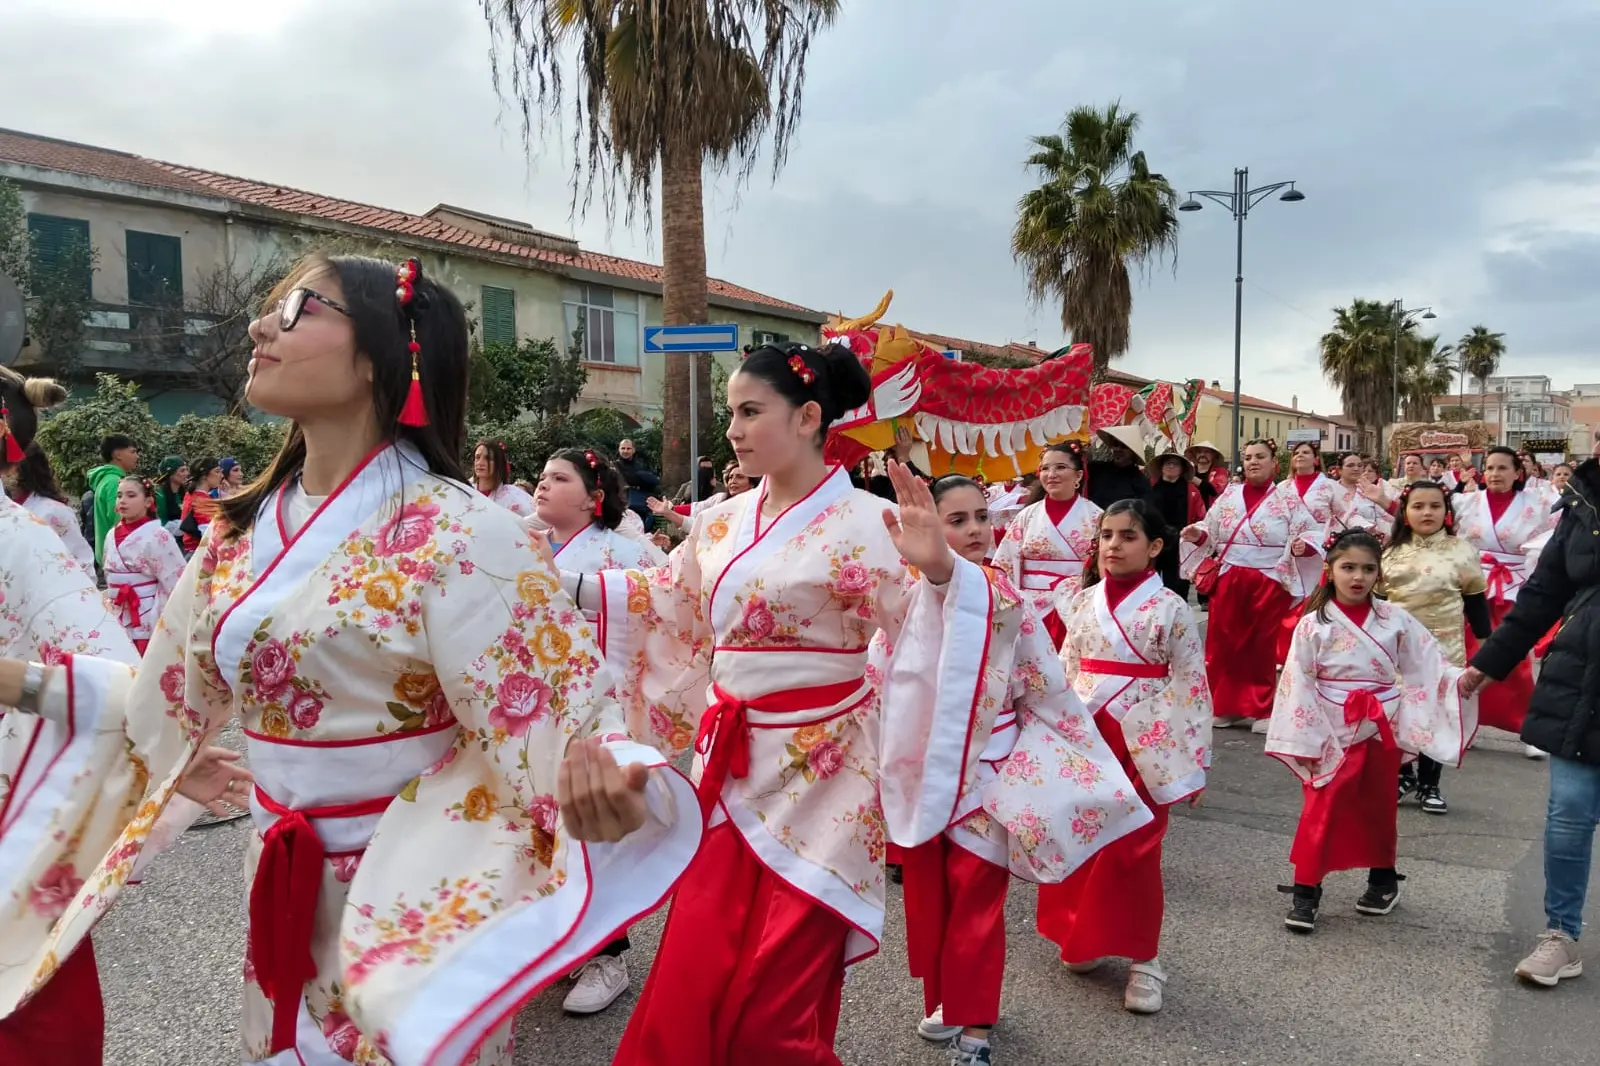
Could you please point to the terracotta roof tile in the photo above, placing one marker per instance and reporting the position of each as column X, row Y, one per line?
column 51, row 154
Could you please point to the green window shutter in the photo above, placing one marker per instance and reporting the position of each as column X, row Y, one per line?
column 51, row 239
column 499, row 315
column 155, row 269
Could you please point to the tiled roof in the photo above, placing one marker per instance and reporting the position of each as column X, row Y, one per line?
column 1226, row 397
column 51, row 154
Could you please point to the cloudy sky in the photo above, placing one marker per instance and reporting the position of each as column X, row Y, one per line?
column 1447, row 149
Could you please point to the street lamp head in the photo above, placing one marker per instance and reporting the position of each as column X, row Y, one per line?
column 1191, row 204
column 1429, row 314
column 1292, row 195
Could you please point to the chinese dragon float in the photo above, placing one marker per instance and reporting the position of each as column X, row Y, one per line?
column 983, row 421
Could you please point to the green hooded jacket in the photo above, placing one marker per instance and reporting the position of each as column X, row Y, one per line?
column 103, row 481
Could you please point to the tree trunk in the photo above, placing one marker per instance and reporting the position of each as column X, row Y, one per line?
column 683, row 303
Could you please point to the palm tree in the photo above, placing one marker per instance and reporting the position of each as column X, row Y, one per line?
column 1480, row 358
column 1425, row 373
column 1357, row 356
column 671, row 85
column 1098, row 208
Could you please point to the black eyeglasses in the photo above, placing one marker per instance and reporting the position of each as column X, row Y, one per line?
column 290, row 307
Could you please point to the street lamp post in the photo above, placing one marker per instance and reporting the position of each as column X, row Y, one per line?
column 1402, row 321
column 1239, row 200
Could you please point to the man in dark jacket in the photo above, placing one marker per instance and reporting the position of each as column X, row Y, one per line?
column 642, row 482
column 1564, row 713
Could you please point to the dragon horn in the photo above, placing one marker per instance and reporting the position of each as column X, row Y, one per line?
column 867, row 321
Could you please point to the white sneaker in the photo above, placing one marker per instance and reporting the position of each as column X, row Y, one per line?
column 1084, row 967
column 602, row 979
column 933, row 1028
column 1261, row 725
column 1223, row 721
column 1534, row 753
column 1145, row 981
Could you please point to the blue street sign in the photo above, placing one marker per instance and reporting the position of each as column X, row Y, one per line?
column 660, row 340
column 952, row 353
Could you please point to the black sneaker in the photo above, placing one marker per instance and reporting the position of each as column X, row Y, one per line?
column 1380, row 897
column 1432, row 802
column 1302, row 916
column 894, row 873
column 1408, row 782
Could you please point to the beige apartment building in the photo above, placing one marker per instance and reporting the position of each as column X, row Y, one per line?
column 166, row 235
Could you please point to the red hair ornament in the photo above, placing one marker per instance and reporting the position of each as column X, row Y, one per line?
column 415, row 411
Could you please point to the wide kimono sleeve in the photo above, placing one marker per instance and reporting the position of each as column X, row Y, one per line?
column 1191, row 554
column 1008, row 556
column 166, row 562
column 1302, row 732
column 1431, row 719
column 938, row 703
column 1299, row 574
column 89, row 790
column 1061, row 794
column 471, row 897
column 654, row 635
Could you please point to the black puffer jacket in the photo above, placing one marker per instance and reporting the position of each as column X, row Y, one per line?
column 1564, row 715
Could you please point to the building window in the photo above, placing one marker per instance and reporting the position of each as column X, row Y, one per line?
column 51, row 239
column 155, row 269
column 610, row 321
column 499, row 315
column 762, row 336
column 1257, row 433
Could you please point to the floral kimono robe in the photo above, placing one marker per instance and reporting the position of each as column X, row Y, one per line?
column 514, row 499
column 1260, row 580
column 1045, row 793
column 755, row 636
column 1139, row 668
column 596, row 548
column 1503, row 547
column 1335, row 508
column 142, row 564
column 409, row 676
column 64, row 522
column 1353, row 702
column 50, row 611
column 1045, row 560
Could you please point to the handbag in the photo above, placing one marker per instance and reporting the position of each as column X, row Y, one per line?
column 1206, row 574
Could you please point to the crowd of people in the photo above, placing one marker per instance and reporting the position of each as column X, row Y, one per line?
column 463, row 698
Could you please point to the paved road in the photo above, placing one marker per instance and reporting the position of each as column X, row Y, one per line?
column 1429, row 984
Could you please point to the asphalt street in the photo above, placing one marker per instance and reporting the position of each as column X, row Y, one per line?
column 1431, row 983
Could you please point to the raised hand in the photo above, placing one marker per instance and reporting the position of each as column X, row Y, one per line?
column 658, row 506
column 916, row 531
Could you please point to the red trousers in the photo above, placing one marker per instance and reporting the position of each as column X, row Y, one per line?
column 750, row 970
column 1504, row 704
column 956, row 930
column 1112, row 905
column 1350, row 823
column 1247, row 612
column 64, row 1024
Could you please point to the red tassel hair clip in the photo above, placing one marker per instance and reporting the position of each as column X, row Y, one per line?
column 13, row 451
column 594, row 466
column 415, row 411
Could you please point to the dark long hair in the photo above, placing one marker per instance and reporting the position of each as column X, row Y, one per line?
column 1341, row 543
column 941, row 485
column 839, row 382
column 23, row 399
column 1145, row 515
column 598, row 475
column 35, row 477
column 499, row 459
column 382, row 331
column 1403, row 532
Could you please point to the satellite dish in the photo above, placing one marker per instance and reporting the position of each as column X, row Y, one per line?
column 13, row 321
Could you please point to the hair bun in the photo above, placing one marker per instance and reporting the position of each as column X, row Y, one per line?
column 847, row 380
column 43, row 393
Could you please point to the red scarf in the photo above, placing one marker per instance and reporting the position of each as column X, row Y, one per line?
column 1358, row 613
column 1498, row 502
column 1057, row 510
column 1254, row 494
column 120, row 531
column 1118, row 588
column 1303, row 482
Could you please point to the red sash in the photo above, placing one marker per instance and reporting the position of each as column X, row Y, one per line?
column 283, row 905
column 1118, row 668
column 723, row 742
